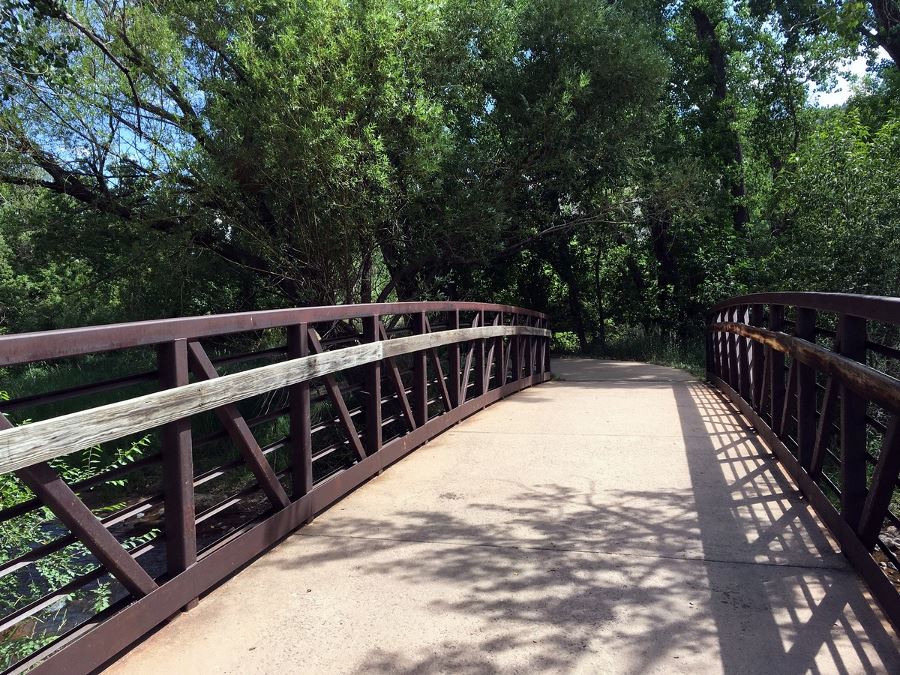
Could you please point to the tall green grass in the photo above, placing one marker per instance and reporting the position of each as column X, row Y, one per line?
column 636, row 343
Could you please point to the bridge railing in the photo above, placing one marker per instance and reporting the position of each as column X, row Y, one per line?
column 816, row 374
column 197, row 443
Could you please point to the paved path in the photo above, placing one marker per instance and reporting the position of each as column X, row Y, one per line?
column 620, row 519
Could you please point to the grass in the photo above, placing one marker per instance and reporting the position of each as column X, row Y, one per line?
column 634, row 343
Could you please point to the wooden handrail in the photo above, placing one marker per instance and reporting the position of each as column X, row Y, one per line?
column 746, row 346
column 42, row 441
column 865, row 381
column 870, row 307
column 327, row 458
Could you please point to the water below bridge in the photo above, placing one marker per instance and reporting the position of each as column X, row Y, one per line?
column 619, row 519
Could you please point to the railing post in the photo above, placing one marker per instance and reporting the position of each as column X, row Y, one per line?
column 529, row 349
column 546, row 342
column 177, row 468
column 541, row 351
column 299, row 416
column 805, row 329
column 776, row 368
column 500, row 356
column 420, row 374
column 480, row 381
column 743, row 357
column 757, row 354
column 371, row 333
column 516, row 345
column 453, row 361
column 716, row 345
column 851, row 336
column 733, row 375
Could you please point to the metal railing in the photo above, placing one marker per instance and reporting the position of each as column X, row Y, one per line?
column 816, row 374
column 241, row 428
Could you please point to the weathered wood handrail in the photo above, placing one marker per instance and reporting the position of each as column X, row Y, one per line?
column 332, row 444
column 835, row 394
column 42, row 441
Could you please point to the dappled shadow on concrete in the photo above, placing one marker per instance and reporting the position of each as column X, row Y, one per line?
column 615, row 583
column 521, row 543
column 576, row 369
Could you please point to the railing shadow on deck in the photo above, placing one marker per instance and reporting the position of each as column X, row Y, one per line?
column 794, row 607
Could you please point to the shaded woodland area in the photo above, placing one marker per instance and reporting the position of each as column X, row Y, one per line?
column 620, row 165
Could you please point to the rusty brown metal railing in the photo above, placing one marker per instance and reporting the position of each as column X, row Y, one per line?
column 817, row 375
column 323, row 399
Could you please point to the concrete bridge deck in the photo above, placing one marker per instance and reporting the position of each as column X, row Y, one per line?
column 621, row 519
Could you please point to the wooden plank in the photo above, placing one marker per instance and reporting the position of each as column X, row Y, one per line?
column 400, row 388
column 240, row 433
column 861, row 379
column 44, row 440
column 883, row 482
column 337, row 399
column 177, row 467
column 299, row 416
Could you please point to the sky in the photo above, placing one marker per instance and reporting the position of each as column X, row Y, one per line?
column 854, row 69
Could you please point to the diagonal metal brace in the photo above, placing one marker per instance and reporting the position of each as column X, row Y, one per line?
column 337, row 399
column 240, row 433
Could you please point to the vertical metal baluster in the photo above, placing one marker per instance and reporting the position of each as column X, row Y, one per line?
column 776, row 366
column 420, row 374
column 480, row 381
column 852, row 344
column 371, row 333
column 805, row 328
column 177, row 468
column 453, row 361
column 743, row 357
column 757, row 354
column 299, row 416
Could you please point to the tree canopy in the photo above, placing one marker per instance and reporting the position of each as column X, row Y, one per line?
column 617, row 164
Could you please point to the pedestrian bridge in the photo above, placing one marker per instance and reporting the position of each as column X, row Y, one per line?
column 620, row 517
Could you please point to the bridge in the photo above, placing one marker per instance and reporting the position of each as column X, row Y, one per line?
column 407, row 488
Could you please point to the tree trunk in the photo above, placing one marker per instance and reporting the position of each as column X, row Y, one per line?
column 600, row 339
column 733, row 154
column 887, row 27
column 660, row 223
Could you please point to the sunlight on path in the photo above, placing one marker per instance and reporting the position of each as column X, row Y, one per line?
column 620, row 520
